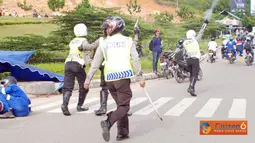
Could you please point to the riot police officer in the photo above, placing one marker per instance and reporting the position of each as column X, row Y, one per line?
column 193, row 52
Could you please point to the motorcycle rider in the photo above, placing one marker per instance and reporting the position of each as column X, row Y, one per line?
column 180, row 54
column 239, row 46
column 230, row 47
column 212, row 45
column 248, row 46
column 193, row 52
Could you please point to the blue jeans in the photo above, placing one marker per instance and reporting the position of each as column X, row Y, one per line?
column 155, row 56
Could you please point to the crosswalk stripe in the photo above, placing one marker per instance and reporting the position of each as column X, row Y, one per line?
column 209, row 108
column 238, row 109
column 97, row 106
column 39, row 108
column 158, row 103
column 71, row 106
column 180, row 107
column 134, row 102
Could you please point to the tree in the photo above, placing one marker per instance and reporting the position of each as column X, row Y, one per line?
column 133, row 7
column 24, row 6
column 56, row 4
column 185, row 12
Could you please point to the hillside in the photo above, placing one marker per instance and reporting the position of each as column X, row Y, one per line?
column 148, row 6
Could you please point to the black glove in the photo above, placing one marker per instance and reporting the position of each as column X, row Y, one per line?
column 80, row 48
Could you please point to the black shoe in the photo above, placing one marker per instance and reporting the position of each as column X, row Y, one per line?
column 64, row 106
column 191, row 91
column 106, row 130
column 82, row 109
column 100, row 111
column 7, row 115
column 121, row 137
column 129, row 114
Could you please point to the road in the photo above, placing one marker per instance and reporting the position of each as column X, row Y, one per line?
column 226, row 92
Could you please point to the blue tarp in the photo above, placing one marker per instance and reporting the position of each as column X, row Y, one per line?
column 15, row 62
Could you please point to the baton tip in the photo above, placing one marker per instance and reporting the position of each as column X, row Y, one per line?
column 161, row 119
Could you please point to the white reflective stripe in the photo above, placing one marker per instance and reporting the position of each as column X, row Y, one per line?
column 3, row 90
column 149, row 109
column 97, row 106
column 180, row 107
column 209, row 108
column 30, row 105
column 71, row 106
column 8, row 97
column 238, row 109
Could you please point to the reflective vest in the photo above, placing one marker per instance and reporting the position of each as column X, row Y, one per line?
column 75, row 54
column 192, row 48
column 116, row 51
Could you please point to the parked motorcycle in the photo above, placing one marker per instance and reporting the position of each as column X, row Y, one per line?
column 181, row 72
column 231, row 57
column 211, row 57
column 166, row 63
column 248, row 58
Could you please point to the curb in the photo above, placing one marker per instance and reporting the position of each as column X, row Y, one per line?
column 47, row 87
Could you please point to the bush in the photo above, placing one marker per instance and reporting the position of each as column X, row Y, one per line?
column 5, row 74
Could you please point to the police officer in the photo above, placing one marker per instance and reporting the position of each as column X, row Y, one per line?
column 116, row 51
column 193, row 52
column 74, row 67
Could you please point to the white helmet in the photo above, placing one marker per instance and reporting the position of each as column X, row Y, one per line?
column 80, row 30
column 190, row 34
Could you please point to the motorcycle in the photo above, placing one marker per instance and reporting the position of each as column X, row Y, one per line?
column 166, row 62
column 231, row 57
column 181, row 72
column 248, row 58
column 223, row 51
column 211, row 56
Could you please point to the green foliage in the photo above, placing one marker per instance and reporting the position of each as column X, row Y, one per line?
column 185, row 12
column 56, row 4
column 164, row 17
column 1, row 2
column 5, row 74
column 133, row 7
column 24, row 6
column 45, row 47
column 93, row 17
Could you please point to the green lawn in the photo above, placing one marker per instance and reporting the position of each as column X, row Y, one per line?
column 10, row 19
column 19, row 30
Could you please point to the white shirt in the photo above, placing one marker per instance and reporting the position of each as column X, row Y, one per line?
column 212, row 45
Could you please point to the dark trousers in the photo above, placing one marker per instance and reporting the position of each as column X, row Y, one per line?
column 102, row 82
column 72, row 70
column 155, row 58
column 194, row 67
column 122, row 94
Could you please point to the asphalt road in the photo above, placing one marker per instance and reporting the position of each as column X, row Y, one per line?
column 226, row 92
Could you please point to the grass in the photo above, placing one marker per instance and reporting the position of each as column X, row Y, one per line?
column 19, row 30
column 10, row 19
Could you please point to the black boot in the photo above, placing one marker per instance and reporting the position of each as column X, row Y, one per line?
column 64, row 106
column 103, row 101
column 191, row 88
column 122, row 137
column 106, row 126
column 81, row 101
column 7, row 115
column 129, row 113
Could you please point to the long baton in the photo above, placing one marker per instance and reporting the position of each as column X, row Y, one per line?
column 152, row 104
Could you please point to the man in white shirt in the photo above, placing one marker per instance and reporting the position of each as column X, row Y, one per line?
column 212, row 45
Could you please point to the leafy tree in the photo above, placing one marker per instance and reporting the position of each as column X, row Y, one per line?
column 185, row 12
column 164, row 17
column 24, row 6
column 56, row 4
column 133, row 7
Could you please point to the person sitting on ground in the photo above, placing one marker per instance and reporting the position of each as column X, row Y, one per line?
column 13, row 100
